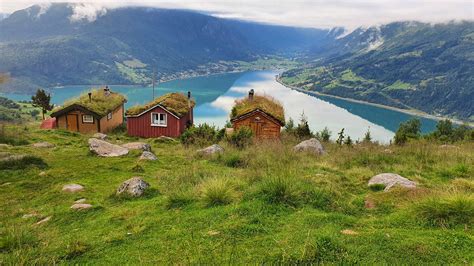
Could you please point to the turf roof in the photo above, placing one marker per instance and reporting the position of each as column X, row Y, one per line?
column 264, row 103
column 100, row 103
column 176, row 103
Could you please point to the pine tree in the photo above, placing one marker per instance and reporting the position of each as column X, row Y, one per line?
column 367, row 136
column 340, row 139
column 42, row 100
column 348, row 141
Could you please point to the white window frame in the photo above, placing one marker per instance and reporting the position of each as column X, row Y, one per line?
column 109, row 116
column 161, row 122
column 85, row 119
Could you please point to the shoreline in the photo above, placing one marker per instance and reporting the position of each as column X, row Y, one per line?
column 413, row 112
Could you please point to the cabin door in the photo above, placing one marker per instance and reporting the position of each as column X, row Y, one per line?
column 72, row 123
column 256, row 126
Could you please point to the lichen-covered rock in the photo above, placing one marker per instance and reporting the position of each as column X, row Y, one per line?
column 106, row 149
column 311, row 145
column 43, row 144
column 137, row 146
column 134, row 187
column 73, row 188
column 81, row 206
column 146, row 155
column 101, row 136
column 213, row 149
column 389, row 180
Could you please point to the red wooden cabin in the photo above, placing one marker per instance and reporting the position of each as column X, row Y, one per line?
column 169, row 115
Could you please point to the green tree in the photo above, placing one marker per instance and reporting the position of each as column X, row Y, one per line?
column 290, row 126
column 444, row 130
column 42, row 100
column 348, row 141
column 340, row 138
column 367, row 136
column 324, row 134
column 410, row 129
column 303, row 131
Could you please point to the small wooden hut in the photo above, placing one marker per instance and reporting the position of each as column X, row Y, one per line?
column 100, row 110
column 263, row 115
column 168, row 115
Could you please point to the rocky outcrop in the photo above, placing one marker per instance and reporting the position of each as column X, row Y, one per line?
column 101, row 136
column 390, row 180
column 213, row 149
column 73, row 188
column 134, row 187
column 146, row 155
column 311, row 145
column 43, row 145
column 106, row 149
column 137, row 146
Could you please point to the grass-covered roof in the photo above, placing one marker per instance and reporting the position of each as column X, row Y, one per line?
column 264, row 103
column 176, row 103
column 101, row 103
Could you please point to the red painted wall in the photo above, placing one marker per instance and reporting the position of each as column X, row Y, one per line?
column 141, row 126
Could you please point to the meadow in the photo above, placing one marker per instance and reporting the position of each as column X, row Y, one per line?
column 262, row 204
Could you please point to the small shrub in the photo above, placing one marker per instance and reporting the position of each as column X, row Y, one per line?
column 280, row 191
column 217, row 192
column 447, row 211
column 303, row 131
column 22, row 162
column 233, row 160
column 76, row 249
column 121, row 129
column 179, row 199
column 201, row 135
column 324, row 135
column 408, row 130
column 241, row 138
column 377, row 187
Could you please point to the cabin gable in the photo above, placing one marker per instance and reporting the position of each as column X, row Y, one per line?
column 262, row 125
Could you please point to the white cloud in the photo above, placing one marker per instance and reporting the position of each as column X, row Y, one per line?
column 87, row 11
column 308, row 13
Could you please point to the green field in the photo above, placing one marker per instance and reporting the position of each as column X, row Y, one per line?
column 263, row 204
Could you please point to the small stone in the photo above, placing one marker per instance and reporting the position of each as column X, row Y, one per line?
column 146, row 155
column 388, row 151
column 349, row 232
column 29, row 215
column 101, row 136
column 80, row 200
column 137, row 146
column 42, row 173
column 311, row 145
column 5, row 184
column 44, row 220
column 43, row 145
column 389, row 180
column 105, row 149
column 213, row 233
column 81, row 206
column 72, row 188
column 213, row 149
column 134, row 187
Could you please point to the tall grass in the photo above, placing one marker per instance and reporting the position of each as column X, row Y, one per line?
column 216, row 192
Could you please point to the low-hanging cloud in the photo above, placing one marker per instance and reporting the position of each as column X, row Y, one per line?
column 306, row 13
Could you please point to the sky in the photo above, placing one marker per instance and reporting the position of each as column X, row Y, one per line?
column 307, row 13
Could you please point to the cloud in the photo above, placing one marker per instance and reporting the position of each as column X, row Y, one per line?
column 87, row 11
column 307, row 13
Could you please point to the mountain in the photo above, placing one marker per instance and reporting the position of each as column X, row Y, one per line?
column 52, row 45
column 404, row 64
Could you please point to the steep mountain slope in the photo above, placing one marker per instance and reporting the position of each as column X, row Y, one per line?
column 406, row 64
column 45, row 46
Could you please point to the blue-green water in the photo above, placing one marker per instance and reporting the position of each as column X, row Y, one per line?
column 216, row 94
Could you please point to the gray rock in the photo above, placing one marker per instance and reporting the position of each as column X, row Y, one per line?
column 137, row 146
column 81, row 206
column 43, row 144
column 134, row 187
column 311, row 145
column 44, row 220
column 101, row 136
column 146, row 155
column 73, row 188
column 389, row 180
column 42, row 173
column 213, row 149
column 106, row 149
column 80, row 200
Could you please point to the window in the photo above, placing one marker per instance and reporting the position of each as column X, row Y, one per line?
column 158, row 119
column 87, row 119
column 109, row 116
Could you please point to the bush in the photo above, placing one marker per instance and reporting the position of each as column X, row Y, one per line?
column 324, row 135
column 21, row 162
column 217, row 192
column 241, row 138
column 447, row 211
column 447, row 132
column 280, row 191
column 234, row 160
column 303, row 131
column 201, row 135
column 408, row 130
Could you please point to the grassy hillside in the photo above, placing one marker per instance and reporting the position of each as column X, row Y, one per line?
column 261, row 204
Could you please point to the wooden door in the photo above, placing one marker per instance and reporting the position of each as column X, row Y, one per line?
column 257, row 125
column 72, row 123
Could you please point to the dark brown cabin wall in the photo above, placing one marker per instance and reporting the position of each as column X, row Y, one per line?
column 269, row 129
column 141, row 126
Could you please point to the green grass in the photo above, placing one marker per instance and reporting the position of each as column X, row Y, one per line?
column 400, row 85
column 262, row 204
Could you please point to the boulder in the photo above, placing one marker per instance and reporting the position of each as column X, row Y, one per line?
column 134, row 187
column 43, row 145
column 389, row 180
column 311, row 145
column 105, row 149
column 101, row 136
column 80, row 200
column 81, row 206
column 137, row 146
column 73, row 188
column 213, row 149
column 146, row 155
